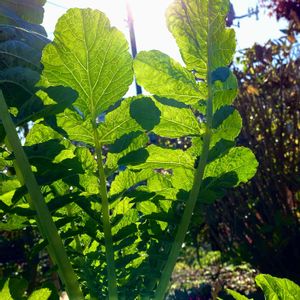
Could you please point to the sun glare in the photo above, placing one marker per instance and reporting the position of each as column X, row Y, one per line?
column 150, row 25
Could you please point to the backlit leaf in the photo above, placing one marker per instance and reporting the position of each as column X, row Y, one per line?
column 236, row 295
column 177, row 122
column 127, row 179
column 40, row 294
column 163, row 76
column 224, row 92
column 157, row 157
column 198, row 27
column 239, row 160
column 277, row 288
column 13, row 222
column 91, row 57
column 118, row 122
column 75, row 127
column 131, row 144
column 5, row 293
column 228, row 124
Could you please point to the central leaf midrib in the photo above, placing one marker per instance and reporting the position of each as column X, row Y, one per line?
column 87, row 69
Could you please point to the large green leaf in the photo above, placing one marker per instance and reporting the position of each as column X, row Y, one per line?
column 163, row 76
column 155, row 157
column 239, row 160
column 227, row 124
column 5, row 293
column 198, row 27
column 75, row 127
column 127, row 179
column 118, row 122
column 40, row 294
column 177, row 122
column 224, row 92
column 126, row 144
column 237, row 166
column 91, row 57
column 278, row 288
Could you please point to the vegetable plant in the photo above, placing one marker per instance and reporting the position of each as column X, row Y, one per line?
column 113, row 208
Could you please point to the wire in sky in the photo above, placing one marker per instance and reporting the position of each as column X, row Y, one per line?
column 57, row 5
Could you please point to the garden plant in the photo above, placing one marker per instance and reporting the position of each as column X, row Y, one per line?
column 111, row 207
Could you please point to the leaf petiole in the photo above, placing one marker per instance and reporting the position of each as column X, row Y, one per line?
column 111, row 270
column 43, row 218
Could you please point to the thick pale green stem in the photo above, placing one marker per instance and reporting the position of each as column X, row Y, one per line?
column 111, row 269
column 184, row 224
column 44, row 219
column 193, row 197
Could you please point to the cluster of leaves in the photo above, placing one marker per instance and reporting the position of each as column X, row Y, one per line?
column 215, row 273
column 259, row 222
column 288, row 9
column 118, row 212
column 203, row 292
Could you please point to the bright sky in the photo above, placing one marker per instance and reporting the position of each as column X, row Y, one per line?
column 150, row 27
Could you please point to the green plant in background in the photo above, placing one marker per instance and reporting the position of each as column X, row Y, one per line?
column 117, row 200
